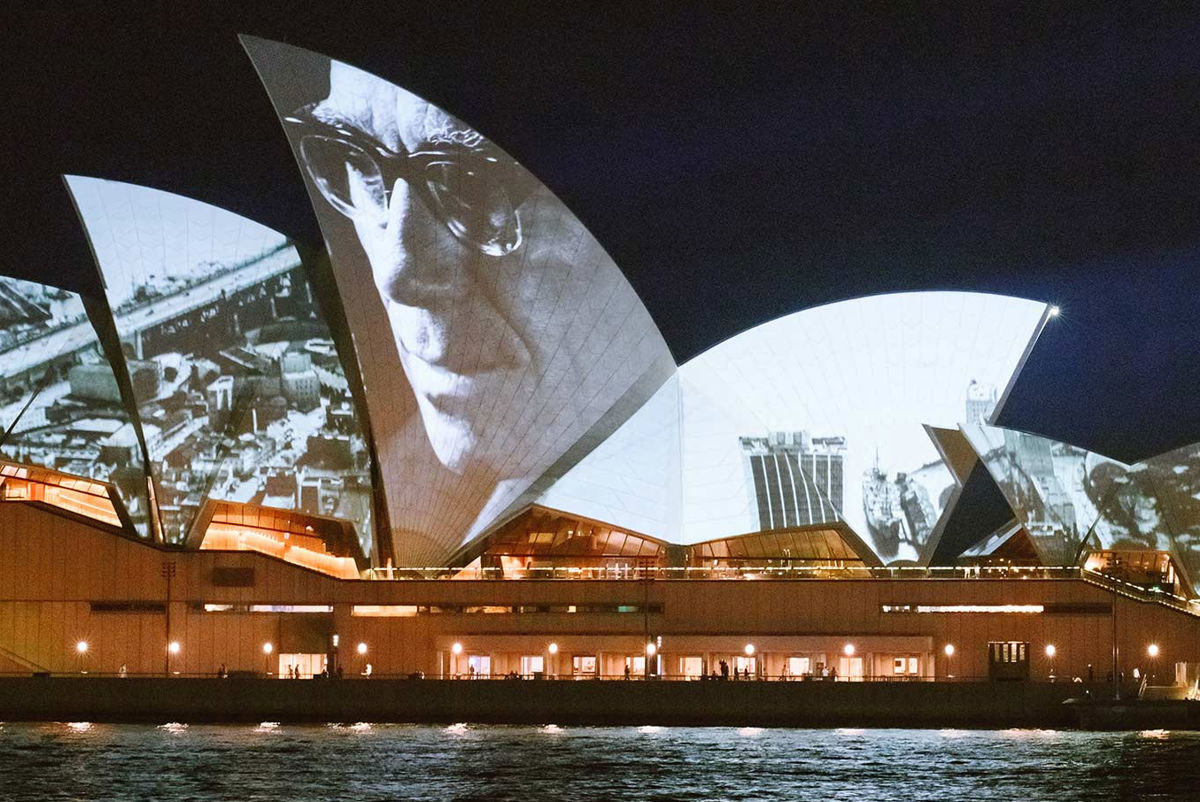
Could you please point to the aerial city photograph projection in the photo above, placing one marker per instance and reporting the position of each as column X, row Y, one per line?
column 499, row 339
column 62, row 406
column 240, row 391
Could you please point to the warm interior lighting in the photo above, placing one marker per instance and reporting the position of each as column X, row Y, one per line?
column 294, row 547
column 385, row 610
column 552, row 648
column 268, row 648
column 456, row 648
column 963, row 608
column 362, row 648
column 81, row 647
column 848, row 650
column 749, row 650
column 173, row 647
column 949, row 650
column 1152, row 650
column 1051, row 651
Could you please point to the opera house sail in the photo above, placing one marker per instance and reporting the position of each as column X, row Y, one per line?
column 498, row 341
column 240, row 391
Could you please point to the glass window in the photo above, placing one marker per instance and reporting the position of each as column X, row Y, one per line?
column 479, row 666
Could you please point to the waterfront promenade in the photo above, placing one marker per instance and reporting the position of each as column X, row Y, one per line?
column 658, row 702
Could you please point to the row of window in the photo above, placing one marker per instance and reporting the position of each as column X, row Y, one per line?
column 379, row 610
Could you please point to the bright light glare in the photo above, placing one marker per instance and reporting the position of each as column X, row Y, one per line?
column 456, row 648
column 848, row 649
column 362, row 648
column 651, row 649
column 1152, row 650
column 552, row 648
column 949, row 650
column 749, row 649
column 268, row 648
column 173, row 647
column 81, row 647
column 1050, row 650
column 1054, row 310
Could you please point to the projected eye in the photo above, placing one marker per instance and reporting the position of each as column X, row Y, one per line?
column 347, row 176
column 475, row 207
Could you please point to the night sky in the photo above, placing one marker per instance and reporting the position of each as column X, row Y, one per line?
column 738, row 164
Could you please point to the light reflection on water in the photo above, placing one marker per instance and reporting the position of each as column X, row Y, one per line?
column 379, row 761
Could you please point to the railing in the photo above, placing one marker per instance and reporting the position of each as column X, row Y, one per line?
column 1189, row 606
column 635, row 572
column 537, row 677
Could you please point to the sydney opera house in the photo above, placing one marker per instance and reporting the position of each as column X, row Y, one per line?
column 455, row 443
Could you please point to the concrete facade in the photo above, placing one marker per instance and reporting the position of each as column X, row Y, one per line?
column 64, row 580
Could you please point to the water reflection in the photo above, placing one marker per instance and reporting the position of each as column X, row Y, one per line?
column 403, row 762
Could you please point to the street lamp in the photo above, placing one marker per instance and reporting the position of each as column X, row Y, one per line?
column 1152, row 650
column 172, row 650
column 848, row 650
column 268, row 647
column 1050, row 652
column 949, row 650
column 81, row 649
column 651, row 649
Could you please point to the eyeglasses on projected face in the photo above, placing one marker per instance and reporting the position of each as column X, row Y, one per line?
column 476, row 194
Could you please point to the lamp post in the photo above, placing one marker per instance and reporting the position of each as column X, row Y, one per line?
column 651, row 650
column 1152, row 650
column 168, row 573
column 268, row 647
column 172, row 649
column 1050, row 652
column 552, row 663
column 81, row 649
column 362, row 653
column 949, row 650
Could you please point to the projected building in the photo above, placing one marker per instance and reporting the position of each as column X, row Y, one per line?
column 797, row 478
column 466, row 387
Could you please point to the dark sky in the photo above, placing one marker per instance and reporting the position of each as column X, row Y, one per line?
column 738, row 164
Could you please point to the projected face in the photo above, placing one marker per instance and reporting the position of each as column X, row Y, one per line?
column 469, row 257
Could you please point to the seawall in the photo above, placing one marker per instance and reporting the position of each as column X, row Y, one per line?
column 799, row 704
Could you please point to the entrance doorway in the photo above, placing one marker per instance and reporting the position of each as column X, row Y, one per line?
column 302, row 666
column 850, row 668
column 798, row 667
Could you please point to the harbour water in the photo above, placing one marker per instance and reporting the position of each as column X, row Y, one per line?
column 82, row 761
